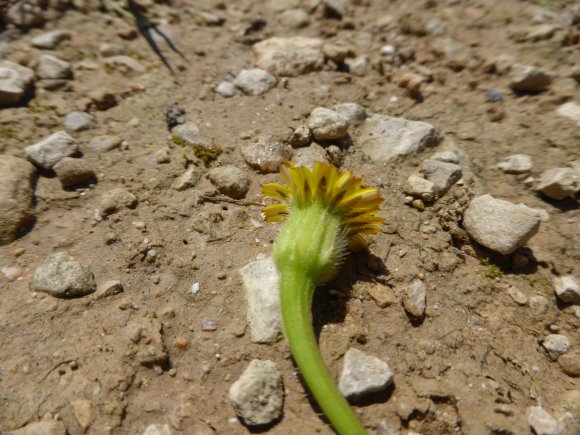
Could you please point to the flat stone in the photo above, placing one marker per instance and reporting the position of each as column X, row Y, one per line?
column 289, row 56
column 294, row 18
column 230, row 181
column 262, row 287
column 559, row 183
column 124, row 64
column 17, row 177
column 326, row 124
column 541, row 32
column 363, row 374
column 266, row 154
column 443, row 175
column 446, row 156
column 145, row 342
column 188, row 179
column 226, row 89
column 517, row 295
column 79, row 121
column 528, row 78
column 50, row 40
column 108, row 288
column 255, row 81
column 515, row 164
column 570, row 364
column 567, row 289
column 382, row 295
column 116, row 199
column 258, row 395
column 191, row 133
column 101, row 144
column 420, row 188
column 541, row 421
column 51, row 67
column 539, row 305
column 415, row 299
column 500, row 225
column 354, row 113
column 51, row 150
column 15, row 82
column 83, row 412
column 384, row 138
column 42, row 428
column 556, row 345
column 63, row 276
column 73, row 171
column 570, row 110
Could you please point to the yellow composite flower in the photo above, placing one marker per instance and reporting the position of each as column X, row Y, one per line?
column 340, row 193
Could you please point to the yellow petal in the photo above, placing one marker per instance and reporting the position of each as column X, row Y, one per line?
column 357, row 243
column 276, row 191
column 275, row 212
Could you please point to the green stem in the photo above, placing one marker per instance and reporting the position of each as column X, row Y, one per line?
column 296, row 292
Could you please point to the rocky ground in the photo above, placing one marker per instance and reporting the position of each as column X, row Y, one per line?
column 138, row 294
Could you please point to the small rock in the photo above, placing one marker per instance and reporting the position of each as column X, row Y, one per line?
column 382, row 295
column 226, row 89
column 309, row 156
column 108, row 288
column 255, row 81
column 158, row 429
column 419, row 187
column 539, row 305
column 443, row 175
column 17, row 178
column 300, row 137
column 191, row 133
column 336, row 53
column 384, row 138
column 62, row 276
column 102, row 98
column 529, row 78
column 124, row 64
column 570, row 364
column 570, row 110
column 261, row 282
column 500, row 225
column 50, row 40
column 556, row 345
column 412, row 82
column 101, row 144
column 188, row 179
column 567, row 289
column 363, row 374
column 83, row 411
column 294, row 18
column 515, row 164
column 559, row 183
column 518, row 296
column 230, row 180
column 258, row 395
column 51, row 67
column 79, row 121
column 163, row 156
column 15, row 82
column 358, row 66
column 266, row 154
column 354, row 113
column 418, row 204
column 51, row 427
column 145, row 342
column 541, row 422
column 326, row 124
column 25, row 15
column 73, row 171
column 541, row 32
column 51, row 150
column 335, row 8
column 435, row 27
column 494, row 96
column 116, row 199
column 415, row 299
column 289, row 56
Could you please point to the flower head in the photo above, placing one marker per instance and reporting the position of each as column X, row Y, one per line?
column 340, row 194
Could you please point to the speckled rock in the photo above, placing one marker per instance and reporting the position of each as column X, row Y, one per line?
column 363, row 374
column 266, row 154
column 326, row 124
column 556, row 345
column 255, row 81
column 63, row 276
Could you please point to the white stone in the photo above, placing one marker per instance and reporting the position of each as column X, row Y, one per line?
column 255, row 81
column 326, row 124
column 226, row 89
column 529, row 78
column 258, row 395
column 79, row 121
column 384, row 138
column 517, row 295
column 539, row 305
column 500, row 225
column 570, row 110
column 559, row 183
column 49, row 40
column 158, row 429
column 49, row 151
column 358, row 66
column 567, row 289
column 124, row 64
column 354, row 113
column 541, row 422
column 443, row 175
column 415, row 299
column 191, row 133
column 420, row 188
column 15, row 81
column 294, row 18
column 262, row 285
column 289, row 56
column 51, row 67
column 100, row 144
column 515, row 164
column 188, row 179
column 557, row 345
column 363, row 374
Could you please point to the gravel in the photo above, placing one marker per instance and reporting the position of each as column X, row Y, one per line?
column 51, row 150
column 63, row 276
column 73, row 171
column 559, row 183
column 266, row 154
column 17, row 178
column 261, row 283
column 289, row 56
column 500, row 225
column 515, row 164
column 230, row 180
column 255, row 81
column 79, row 121
column 567, row 289
column 326, row 124
column 363, row 374
column 384, row 138
column 415, row 299
column 258, row 395
column 15, row 82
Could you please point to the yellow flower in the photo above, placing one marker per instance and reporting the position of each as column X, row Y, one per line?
column 339, row 193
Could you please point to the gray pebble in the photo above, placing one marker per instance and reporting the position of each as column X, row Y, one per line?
column 255, row 81
column 309, row 156
column 446, row 156
column 51, row 150
column 101, row 144
column 556, row 345
column 539, row 305
column 326, row 124
column 294, row 18
column 226, row 89
column 79, row 121
column 50, row 40
column 289, row 56
column 73, row 171
column 124, row 64
column 258, row 395
column 188, row 179
column 300, row 137
column 363, row 374
column 443, row 175
column 567, row 289
column 415, row 299
column 517, row 295
column 570, row 110
column 230, row 180
column 51, row 67
column 15, row 82
column 63, row 276
column 559, row 183
column 191, row 133
column 420, row 188
column 515, row 164
column 354, row 113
